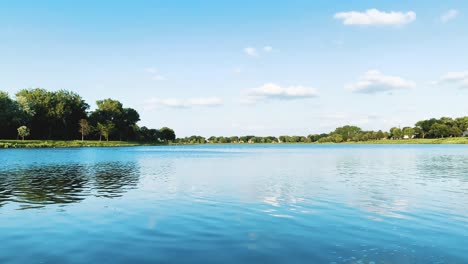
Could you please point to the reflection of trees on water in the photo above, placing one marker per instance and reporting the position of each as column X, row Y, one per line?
column 444, row 167
column 112, row 181
column 64, row 184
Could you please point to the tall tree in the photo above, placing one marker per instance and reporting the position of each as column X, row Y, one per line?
column 123, row 119
column 408, row 131
column 396, row 133
column 85, row 128
column 105, row 130
column 348, row 132
column 439, row 130
column 52, row 114
column 11, row 116
column 425, row 125
column 167, row 134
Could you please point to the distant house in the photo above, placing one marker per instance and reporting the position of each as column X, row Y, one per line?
column 465, row 133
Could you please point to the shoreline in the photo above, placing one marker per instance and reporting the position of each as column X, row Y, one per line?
column 9, row 144
column 18, row 144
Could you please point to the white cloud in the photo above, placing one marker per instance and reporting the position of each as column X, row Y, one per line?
column 376, row 17
column 374, row 81
column 154, row 103
column 155, row 74
column 273, row 91
column 252, row 52
column 449, row 15
column 459, row 78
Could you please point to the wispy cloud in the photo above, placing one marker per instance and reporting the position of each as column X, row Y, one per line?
column 237, row 70
column 268, row 48
column 459, row 78
column 374, row 81
column 252, row 52
column 155, row 74
column 271, row 91
column 376, row 17
column 449, row 15
column 154, row 102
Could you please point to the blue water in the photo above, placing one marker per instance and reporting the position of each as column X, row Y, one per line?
column 235, row 204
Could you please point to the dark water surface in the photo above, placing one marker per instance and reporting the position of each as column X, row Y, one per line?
column 235, row 204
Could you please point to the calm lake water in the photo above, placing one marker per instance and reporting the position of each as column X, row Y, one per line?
column 235, row 204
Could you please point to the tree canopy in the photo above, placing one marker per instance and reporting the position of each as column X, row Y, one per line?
column 64, row 115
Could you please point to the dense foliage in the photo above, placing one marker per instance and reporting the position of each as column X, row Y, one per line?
column 64, row 115
column 431, row 128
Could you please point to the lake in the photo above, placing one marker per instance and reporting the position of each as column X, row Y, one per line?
column 235, row 204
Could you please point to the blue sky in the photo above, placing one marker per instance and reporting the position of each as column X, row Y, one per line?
column 246, row 67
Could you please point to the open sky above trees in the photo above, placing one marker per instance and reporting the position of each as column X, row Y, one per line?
column 245, row 67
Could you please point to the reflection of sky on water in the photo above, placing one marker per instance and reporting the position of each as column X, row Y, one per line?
column 387, row 182
column 327, row 203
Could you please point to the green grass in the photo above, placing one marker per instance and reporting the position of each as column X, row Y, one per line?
column 64, row 144
column 95, row 143
column 453, row 140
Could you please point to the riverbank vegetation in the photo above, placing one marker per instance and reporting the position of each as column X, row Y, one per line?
column 431, row 131
column 63, row 119
column 38, row 114
column 64, row 143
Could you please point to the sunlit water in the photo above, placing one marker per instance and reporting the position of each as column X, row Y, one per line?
column 235, row 204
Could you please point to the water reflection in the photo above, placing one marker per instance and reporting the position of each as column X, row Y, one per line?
column 112, row 181
column 42, row 185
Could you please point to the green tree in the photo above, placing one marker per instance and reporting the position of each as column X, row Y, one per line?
column 124, row 119
column 108, row 111
column 462, row 123
column 11, row 116
column 105, row 130
column 85, row 128
column 337, row 138
column 408, row 131
column 23, row 131
column 455, row 131
column 167, row 134
column 52, row 115
column 380, row 135
column 439, row 130
column 425, row 126
column 396, row 133
column 348, row 132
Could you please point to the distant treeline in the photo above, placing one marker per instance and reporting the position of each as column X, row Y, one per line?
column 431, row 128
column 64, row 115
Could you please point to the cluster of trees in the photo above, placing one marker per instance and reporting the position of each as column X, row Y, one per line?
column 431, row 128
column 64, row 115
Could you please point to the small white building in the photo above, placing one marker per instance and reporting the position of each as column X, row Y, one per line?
column 465, row 133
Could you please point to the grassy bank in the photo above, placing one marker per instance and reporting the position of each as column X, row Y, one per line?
column 64, row 144
column 93, row 143
column 452, row 140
